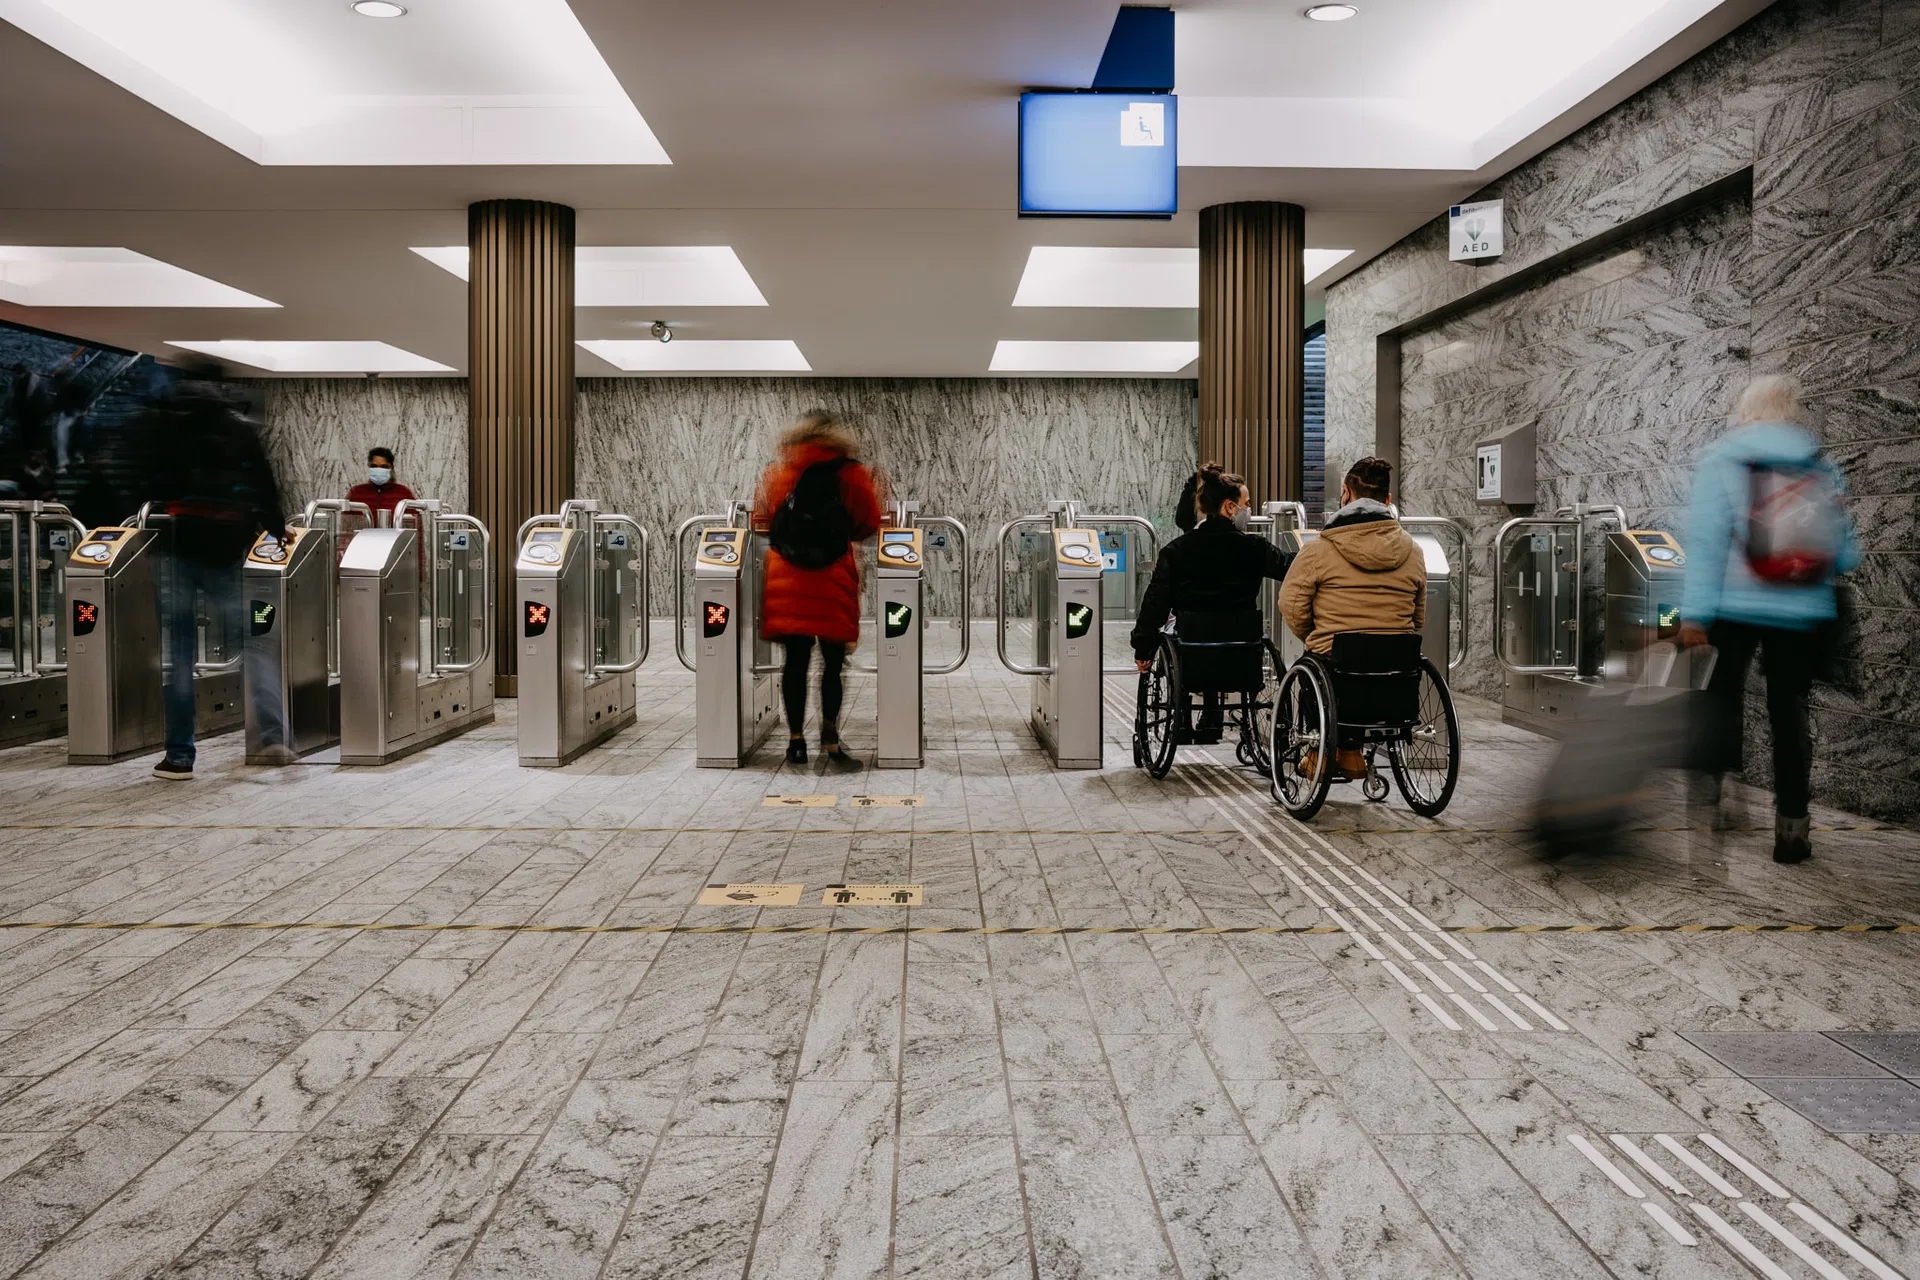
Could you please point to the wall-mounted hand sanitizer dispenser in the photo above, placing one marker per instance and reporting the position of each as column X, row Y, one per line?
column 1503, row 468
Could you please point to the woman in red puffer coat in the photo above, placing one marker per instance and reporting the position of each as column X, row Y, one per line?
column 802, row 605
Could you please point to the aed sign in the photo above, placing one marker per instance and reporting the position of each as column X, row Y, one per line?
column 1476, row 231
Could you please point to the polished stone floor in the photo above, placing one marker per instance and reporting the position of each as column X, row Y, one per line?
column 1304, row 1052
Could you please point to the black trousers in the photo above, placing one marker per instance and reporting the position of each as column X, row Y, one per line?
column 1787, row 661
column 793, row 680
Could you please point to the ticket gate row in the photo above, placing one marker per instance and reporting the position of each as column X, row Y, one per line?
column 736, row 679
column 35, row 540
column 582, row 586
column 1560, row 632
column 118, row 651
column 1058, row 570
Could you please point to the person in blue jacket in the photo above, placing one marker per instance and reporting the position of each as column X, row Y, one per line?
column 1735, row 600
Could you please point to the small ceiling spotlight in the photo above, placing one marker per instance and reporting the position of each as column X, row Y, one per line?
column 378, row 9
column 1331, row 12
column 661, row 331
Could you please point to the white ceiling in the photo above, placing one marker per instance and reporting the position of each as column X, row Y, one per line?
column 857, row 156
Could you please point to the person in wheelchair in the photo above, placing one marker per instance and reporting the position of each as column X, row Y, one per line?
column 1363, row 573
column 1216, row 568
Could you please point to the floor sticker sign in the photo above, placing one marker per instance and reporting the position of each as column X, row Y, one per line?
column 799, row 802
column 871, row 895
column 889, row 802
column 751, row 895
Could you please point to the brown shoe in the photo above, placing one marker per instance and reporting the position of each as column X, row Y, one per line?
column 1351, row 764
column 1309, row 766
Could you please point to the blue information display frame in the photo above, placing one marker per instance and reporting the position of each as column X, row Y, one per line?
column 1099, row 155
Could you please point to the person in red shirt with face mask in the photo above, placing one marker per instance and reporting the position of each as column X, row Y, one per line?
column 380, row 492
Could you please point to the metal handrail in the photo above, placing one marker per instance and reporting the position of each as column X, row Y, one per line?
column 1153, row 536
column 680, row 580
column 966, row 593
column 1298, row 510
column 336, row 509
column 1499, row 650
column 22, row 658
column 486, row 598
column 646, row 606
column 1462, row 576
column 53, row 512
column 1000, row 594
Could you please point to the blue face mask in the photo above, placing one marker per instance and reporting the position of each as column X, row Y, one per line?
column 380, row 475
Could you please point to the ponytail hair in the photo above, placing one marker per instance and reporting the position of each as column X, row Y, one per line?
column 1370, row 478
column 1215, row 487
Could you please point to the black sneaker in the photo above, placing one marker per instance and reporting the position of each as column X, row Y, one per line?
column 1790, row 842
column 796, row 750
column 173, row 772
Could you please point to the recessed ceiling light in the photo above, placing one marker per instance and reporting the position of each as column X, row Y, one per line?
column 379, row 9
column 1087, row 276
column 615, row 275
column 1093, row 357
column 69, row 276
column 317, row 357
column 696, row 355
column 1331, row 12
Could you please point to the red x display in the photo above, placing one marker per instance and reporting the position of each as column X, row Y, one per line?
column 86, row 615
column 716, row 620
column 537, row 617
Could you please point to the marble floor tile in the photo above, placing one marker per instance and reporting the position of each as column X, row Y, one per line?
column 827, row 1208
column 853, row 1031
column 308, row 1083
column 1224, row 1214
column 959, row 1210
column 522, row 1085
column 696, row 1213
column 953, row 1085
column 1167, row 1086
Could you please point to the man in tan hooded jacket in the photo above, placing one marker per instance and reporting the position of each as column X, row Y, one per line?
column 1363, row 573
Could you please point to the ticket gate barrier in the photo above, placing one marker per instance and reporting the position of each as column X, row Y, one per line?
column 901, row 553
column 291, row 594
column 118, row 650
column 416, row 633
column 1444, row 545
column 36, row 540
column 582, row 597
column 735, row 681
column 1062, row 569
column 1557, row 638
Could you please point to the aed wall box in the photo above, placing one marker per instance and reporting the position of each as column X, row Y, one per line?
column 1503, row 468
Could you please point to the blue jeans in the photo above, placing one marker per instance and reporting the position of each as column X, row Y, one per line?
column 220, row 584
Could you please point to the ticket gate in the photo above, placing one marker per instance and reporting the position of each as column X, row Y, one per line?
column 583, row 629
column 1444, row 545
column 291, row 594
column 416, row 633
column 1555, row 636
column 736, row 685
column 1060, row 570
column 36, row 540
column 901, row 553
column 118, row 651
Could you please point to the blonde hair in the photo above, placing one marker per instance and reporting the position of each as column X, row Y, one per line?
column 1771, row 398
column 817, row 426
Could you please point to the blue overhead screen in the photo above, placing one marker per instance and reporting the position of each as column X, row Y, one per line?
column 1110, row 155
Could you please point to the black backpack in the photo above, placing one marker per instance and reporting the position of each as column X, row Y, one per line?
column 812, row 528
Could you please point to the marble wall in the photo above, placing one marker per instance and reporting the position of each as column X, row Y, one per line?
column 662, row 449
column 1629, row 356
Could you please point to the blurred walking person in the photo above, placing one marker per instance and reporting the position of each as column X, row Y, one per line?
column 814, row 502
column 211, row 477
column 1767, row 533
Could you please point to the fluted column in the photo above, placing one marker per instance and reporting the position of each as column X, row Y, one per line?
column 520, row 383
column 1252, row 342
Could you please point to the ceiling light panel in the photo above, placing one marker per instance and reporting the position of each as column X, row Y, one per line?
column 1085, row 276
column 1093, row 357
column 642, row 275
column 712, row 355
column 54, row 276
column 317, row 357
column 455, row 82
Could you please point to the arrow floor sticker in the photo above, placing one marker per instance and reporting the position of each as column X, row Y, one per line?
column 799, row 802
column 751, row 895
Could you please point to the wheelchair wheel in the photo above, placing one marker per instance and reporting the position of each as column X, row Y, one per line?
column 1375, row 786
column 1302, row 739
column 1426, row 763
column 1256, row 727
column 1157, row 718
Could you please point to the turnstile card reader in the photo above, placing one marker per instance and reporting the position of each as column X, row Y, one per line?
column 1068, row 711
column 582, row 630
column 1645, row 574
column 736, row 695
column 287, row 590
column 898, row 688
column 416, row 666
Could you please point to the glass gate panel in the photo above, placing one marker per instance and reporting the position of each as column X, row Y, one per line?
column 1539, row 595
column 617, row 587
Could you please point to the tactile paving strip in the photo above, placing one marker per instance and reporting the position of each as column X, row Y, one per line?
column 1792, row 1054
column 1852, row 1106
column 1897, row 1051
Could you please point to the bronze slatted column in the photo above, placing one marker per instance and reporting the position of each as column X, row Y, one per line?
column 520, row 385
column 1253, row 343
